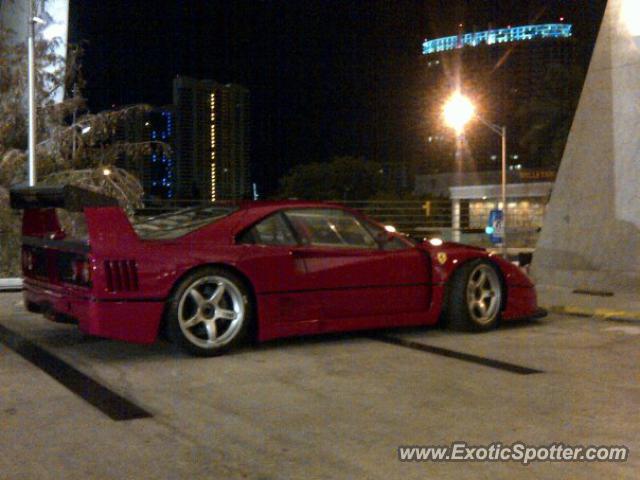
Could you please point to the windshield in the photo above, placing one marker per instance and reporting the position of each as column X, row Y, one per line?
column 178, row 223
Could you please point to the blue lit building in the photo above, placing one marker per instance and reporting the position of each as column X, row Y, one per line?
column 498, row 36
column 157, row 169
column 159, row 178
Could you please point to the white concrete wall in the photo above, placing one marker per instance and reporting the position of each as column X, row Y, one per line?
column 591, row 235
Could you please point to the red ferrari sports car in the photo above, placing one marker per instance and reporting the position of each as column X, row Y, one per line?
column 213, row 276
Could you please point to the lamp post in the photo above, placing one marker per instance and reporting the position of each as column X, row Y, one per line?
column 458, row 111
column 32, row 99
column 73, row 120
column 33, row 19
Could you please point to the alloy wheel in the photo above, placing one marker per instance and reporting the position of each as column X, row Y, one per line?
column 211, row 312
column 484, row 294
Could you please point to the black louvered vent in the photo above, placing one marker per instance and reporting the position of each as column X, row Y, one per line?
column 122, row 275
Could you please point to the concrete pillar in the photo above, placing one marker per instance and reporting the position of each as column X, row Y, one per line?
column 591, row 232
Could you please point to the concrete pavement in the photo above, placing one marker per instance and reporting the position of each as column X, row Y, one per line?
column 604, row 305
column 329, row 407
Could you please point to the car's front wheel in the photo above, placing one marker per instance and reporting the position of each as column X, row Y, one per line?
column 475, row 297
column 209, row 312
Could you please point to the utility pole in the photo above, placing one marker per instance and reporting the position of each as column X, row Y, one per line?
column 32, row 96
column 503, row 134
column 73, row 122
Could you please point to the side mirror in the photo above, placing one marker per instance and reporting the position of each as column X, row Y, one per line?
column 384, row 237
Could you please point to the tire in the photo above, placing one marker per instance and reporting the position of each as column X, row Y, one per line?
column 210, row 312
column 475, row 297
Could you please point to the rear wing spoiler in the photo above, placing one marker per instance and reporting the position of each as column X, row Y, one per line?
column 108, row 226
column 68, row 197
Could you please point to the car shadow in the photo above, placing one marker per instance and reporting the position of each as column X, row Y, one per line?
column 67, row 339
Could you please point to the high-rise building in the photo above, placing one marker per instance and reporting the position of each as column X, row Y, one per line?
column 212, row 139
column 159, row 176
column 509, row 73
column 156, row 170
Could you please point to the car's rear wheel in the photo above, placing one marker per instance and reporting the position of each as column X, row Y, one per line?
column 475, row 297
column 210, row 312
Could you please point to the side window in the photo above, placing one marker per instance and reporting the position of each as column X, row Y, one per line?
column 272, row 230
column 330, row 228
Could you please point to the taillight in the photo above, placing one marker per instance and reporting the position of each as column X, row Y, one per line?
column 81, row 271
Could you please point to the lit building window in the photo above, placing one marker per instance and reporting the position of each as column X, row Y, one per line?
column 213, row 146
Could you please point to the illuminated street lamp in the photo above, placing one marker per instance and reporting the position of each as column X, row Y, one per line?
column 457, row 112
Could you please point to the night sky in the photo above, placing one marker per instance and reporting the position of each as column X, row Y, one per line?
column 326, row 77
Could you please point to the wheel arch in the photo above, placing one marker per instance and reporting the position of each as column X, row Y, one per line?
column 503, row 284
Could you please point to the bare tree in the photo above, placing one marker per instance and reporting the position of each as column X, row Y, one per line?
column 73, row 146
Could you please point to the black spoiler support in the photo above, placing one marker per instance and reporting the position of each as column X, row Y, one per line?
column 68, row 197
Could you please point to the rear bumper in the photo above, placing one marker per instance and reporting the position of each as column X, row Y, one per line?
column 135, row 321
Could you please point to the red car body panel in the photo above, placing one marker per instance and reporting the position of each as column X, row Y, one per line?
column 298, row 290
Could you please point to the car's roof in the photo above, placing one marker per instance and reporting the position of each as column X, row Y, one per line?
column 240, row 215
column 286, row 203
column 267, row 206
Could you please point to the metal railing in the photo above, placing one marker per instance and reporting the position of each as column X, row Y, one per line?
column 418, row 218
column 435, row 218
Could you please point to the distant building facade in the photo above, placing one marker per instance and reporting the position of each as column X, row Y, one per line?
column 211, row 140
column 157, row 169
column 474, row 194
column 159, row 177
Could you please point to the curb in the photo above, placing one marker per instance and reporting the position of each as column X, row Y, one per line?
column 10, row 284
column 599, row 313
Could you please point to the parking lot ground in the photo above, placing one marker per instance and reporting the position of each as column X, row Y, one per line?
column 326, row 407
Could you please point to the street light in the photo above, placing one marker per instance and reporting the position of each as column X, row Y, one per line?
column 457, row 112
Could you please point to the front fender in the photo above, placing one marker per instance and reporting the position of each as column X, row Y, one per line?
column 448, row 257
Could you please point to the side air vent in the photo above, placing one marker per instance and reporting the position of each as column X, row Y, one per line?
column 122, row 275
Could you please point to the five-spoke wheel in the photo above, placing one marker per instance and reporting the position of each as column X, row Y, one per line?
column 475, row 297
column 483, row 293
column 209, row 312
